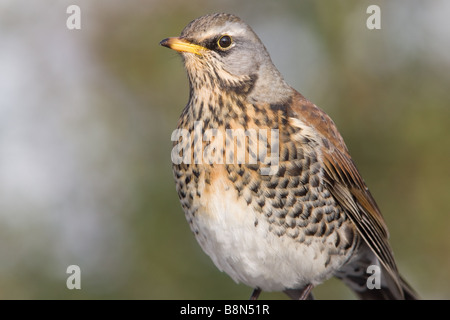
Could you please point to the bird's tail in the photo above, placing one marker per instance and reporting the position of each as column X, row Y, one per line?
column 371, row 281
column 390, row 292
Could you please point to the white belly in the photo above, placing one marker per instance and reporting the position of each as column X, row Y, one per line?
column 252, row 254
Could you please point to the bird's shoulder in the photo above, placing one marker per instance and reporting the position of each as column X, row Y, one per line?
column 316, row 119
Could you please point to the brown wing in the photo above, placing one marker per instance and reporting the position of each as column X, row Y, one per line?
column 345, row 182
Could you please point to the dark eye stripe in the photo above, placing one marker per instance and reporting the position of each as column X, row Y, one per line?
column 213, row 44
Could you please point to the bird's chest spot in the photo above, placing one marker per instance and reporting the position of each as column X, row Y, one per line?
column 209, row 189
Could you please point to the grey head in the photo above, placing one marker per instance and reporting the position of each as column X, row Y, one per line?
column 220, row 51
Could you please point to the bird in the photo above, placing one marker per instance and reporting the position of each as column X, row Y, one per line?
column 264, row 177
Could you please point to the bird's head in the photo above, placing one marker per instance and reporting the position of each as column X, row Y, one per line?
column 221, row 52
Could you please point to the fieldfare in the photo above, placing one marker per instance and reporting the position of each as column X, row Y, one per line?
column 265, row 179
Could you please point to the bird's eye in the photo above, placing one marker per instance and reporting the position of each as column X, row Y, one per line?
column 224, row 42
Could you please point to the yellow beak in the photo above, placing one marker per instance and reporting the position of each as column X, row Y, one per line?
column 181, row 45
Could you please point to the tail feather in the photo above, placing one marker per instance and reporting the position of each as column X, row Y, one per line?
column 361, row 273
column 408, row 292
column 387, row 293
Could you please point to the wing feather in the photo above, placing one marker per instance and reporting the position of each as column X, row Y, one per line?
column 346, row 184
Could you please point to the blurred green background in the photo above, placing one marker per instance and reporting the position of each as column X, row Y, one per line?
column 86, row 117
